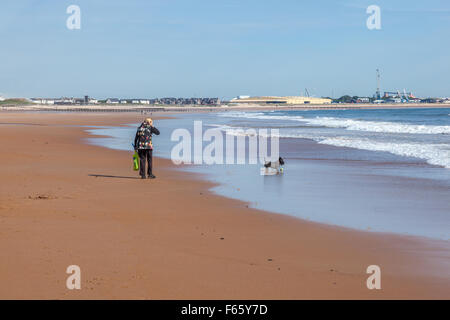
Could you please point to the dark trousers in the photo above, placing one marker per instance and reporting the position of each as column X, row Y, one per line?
column 145, row 155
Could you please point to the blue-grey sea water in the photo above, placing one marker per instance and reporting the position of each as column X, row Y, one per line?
column 384, row 170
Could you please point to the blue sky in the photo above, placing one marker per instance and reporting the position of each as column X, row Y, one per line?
column 156, row 48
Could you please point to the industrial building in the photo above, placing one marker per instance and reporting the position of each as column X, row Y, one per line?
column 281, row 100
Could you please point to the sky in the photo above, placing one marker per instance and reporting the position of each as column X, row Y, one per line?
column 211, row 48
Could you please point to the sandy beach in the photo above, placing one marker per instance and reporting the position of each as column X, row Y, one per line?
column 64, row 202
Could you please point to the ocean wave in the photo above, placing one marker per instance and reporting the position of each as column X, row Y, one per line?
column 435, row 154
column 351, row 124
column 378, row 126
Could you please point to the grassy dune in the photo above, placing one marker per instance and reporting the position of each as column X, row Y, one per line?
column 14, row 102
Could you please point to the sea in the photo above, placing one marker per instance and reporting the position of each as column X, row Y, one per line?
column 378, row 170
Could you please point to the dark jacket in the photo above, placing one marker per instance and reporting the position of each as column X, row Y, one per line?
column 143, row 138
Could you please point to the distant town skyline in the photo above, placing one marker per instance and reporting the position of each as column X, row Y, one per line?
column 145, row 49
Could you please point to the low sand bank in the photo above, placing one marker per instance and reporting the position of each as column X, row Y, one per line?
column 63, row 202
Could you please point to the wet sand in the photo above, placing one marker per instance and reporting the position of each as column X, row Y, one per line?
column 63, row 202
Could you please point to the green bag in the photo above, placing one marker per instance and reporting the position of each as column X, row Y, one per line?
column 135, row 161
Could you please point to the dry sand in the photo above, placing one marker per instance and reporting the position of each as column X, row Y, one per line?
column 63, row 202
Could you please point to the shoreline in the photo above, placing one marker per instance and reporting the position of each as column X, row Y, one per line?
column 348, row 178
column 239, row 190
column 208, row 178
column 307, row 260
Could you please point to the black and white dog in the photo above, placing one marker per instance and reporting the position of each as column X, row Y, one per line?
column 276, row 165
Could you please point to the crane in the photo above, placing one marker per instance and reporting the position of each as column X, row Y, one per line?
column 378, row 85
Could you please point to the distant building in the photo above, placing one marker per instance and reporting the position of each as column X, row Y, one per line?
column 429, row 100
column 186, row 101
column 86, row 100
column 79, row 101
column 282, row 100
column 65, row 101
column 2, row 99
column 112, row 101
column 394, row 100
column 362, row 100
column 50, row 101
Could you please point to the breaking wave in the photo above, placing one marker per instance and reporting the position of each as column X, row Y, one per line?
column 434, row 154
column 375, row 126
column 351, row 124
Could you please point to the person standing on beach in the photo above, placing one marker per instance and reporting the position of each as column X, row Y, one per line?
column 144, row 146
